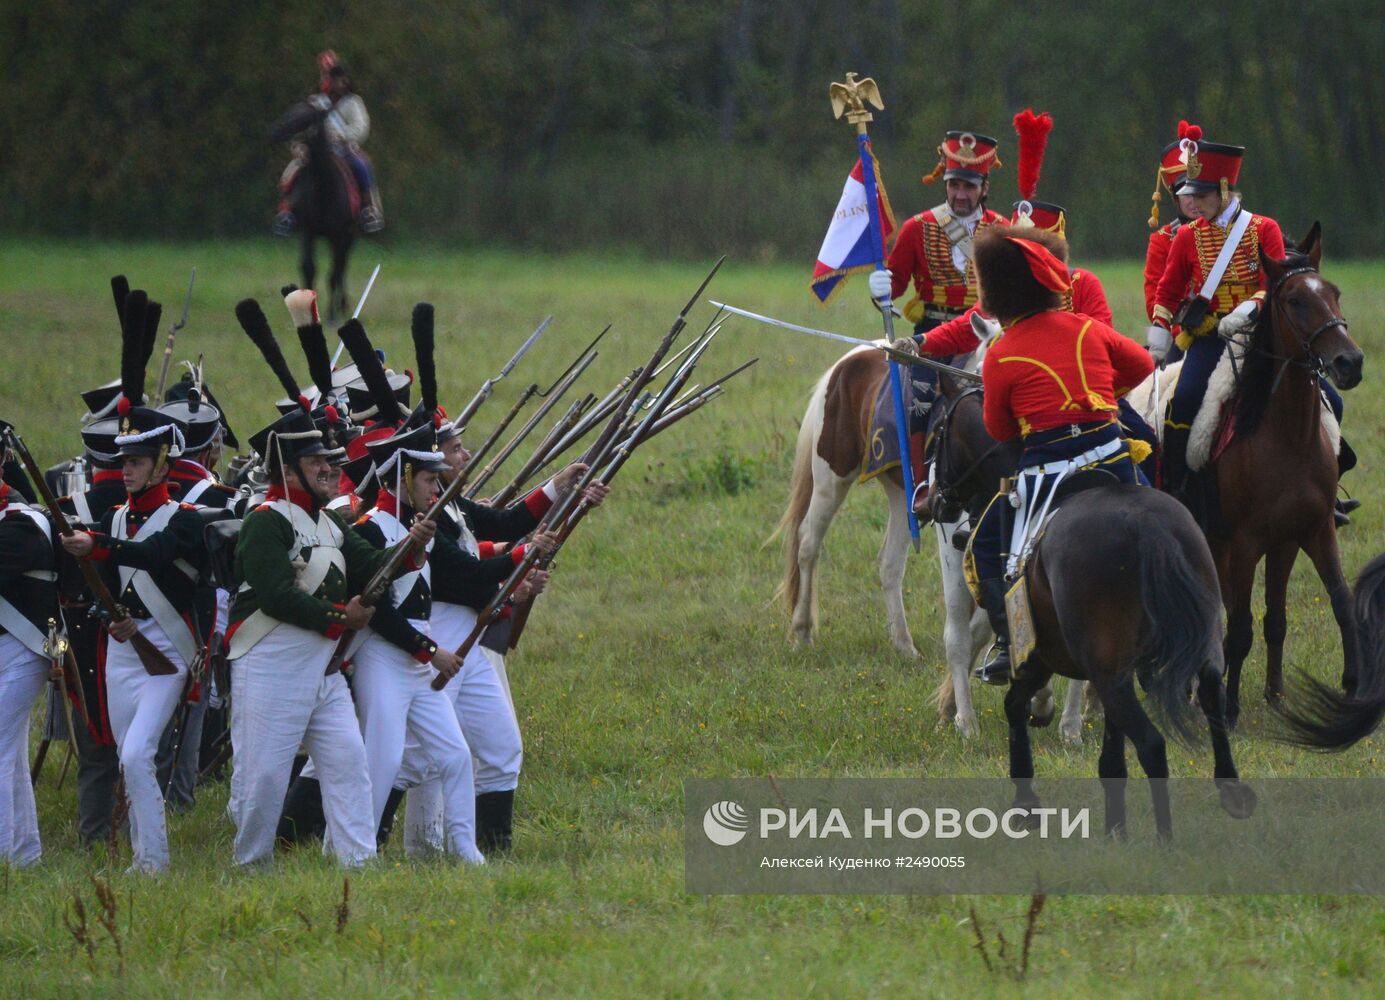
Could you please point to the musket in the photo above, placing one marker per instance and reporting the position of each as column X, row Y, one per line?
column 168, row 344
column 484, row 393
column 481, row 452
column 594, row 456
column 153, row 659
column 56, row 647
column 625, row 446
column 360, row 304
column 196, row 674
column 901, row 357
column 540, row 455
column 555, row 393
column 603, row 409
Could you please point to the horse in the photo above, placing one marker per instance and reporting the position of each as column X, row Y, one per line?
column 832, row 443
column 1271, row 491
column 1121, row 585
column 320, row 200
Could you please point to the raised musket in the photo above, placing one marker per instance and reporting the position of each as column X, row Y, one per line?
column 540, row 454
column 555, row 393
column 152, row 658
column 168, row 344
column 360, row 304
column 595, row 456
column 488, row 386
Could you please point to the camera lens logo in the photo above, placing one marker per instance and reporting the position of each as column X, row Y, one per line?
column 725, row 823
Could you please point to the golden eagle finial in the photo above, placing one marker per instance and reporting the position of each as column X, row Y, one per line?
column 850, row 99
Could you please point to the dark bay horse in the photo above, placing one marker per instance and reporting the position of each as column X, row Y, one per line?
column 320, row 200
column 1277, row 480
column 1122, row 587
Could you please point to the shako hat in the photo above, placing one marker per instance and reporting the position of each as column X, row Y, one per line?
column 967, row 156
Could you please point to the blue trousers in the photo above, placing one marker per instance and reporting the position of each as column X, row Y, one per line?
column 360, row 169
column 990, row 540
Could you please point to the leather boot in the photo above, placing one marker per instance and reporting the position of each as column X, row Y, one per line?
column 494, row 819
column 1173, row 477
column 382, row 835
column 996, row 669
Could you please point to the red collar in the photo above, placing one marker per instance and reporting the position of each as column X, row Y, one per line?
column 107, row 476
column 299, row 498
column 186, row 468
column 151, row 499
column 387, row 503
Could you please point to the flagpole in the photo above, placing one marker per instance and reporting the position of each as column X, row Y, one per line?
column 847, row 100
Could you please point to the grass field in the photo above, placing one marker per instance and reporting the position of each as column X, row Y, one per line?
column 658, row 655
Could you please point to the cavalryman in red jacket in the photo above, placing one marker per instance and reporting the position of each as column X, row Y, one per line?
column 1173, row 170
column 1052, row 378
column 933, row 250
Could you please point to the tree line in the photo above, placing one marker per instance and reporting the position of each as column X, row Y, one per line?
column 679, row 129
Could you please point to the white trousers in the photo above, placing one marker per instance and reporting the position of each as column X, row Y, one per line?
column 481, row 699
column 395, row 701
column 22, row 674
column 140, row 706
column 283, row 698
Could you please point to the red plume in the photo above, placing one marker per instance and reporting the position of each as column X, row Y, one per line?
column 332, row 414
column 303, row 402
column 123, row 407
column 1033, row 132
column 1186, row 131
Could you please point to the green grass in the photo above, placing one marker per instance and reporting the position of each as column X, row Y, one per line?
column 658, row 655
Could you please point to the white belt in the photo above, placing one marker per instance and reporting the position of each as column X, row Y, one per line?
column 1080, row 461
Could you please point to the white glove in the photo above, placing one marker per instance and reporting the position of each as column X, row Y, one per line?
column 320, row 101
column 1239, row 320
column 881, row 285
column 1158, row 340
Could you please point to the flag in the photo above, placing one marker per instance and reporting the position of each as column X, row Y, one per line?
column 846, row 249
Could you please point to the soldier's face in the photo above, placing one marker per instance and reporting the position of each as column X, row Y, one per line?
column 964, row 197
column 138, row 473
column 1185, row 206
column 1206, row 205
column 454, row 454
column 424, row 491
column 314, row 474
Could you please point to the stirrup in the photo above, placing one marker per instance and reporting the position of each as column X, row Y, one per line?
column 996, row 669
column 371, row 221
column 921, row 492
column 284, row 224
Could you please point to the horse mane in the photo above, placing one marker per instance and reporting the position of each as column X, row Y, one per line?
column 1258, row 367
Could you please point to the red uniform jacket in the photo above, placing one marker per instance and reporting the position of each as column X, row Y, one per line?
column 956, row 337
column 1156, row 257
column 922, row 252
column 1194, row 252
column 1057, row 368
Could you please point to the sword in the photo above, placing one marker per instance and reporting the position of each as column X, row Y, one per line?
column 168, row 344
column 902, row 357
column 360, row 304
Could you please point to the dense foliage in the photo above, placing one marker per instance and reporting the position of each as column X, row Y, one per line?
column 676, row 128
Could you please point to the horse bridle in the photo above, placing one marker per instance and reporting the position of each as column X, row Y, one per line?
column 947, row 492
column 1314, row 364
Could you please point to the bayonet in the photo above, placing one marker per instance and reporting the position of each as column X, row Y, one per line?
column 360, row 304
column 484, row 393
column 168, row 344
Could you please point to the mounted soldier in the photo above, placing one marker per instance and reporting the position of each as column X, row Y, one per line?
column 934, row 251
column 1173, row 171
column 347, row 125
column 1052, row 379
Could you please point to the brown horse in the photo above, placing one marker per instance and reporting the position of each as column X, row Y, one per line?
column 1122, row 586
column 1277, row 480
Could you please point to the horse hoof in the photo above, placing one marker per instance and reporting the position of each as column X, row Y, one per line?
column 1072, row 737
column 966, row 726
column 907, row 651
column 1041, row 717
column 798, row 637
column 1238, row 799
column 1274, row 697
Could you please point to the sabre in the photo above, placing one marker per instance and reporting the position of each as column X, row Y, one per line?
column 168, row 344
column 360, row 304
column 902, row 357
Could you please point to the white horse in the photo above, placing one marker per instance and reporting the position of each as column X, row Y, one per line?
column 832, row 443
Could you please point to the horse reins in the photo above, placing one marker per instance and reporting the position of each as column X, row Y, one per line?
column 947, row 493
column 1315, row 364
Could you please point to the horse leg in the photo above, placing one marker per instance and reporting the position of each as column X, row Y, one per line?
column 1021, row 753
column 1237, row 798
column 306, row 264
column 829, row 490
column 1110, row 767
column 1322, row 549
column 341, row 248
column 958, row 635
column 1279, row 563
column 1124, row 712
column 894, row 554
column 1236, row 587
column 1043, row 707
column 1070, row 727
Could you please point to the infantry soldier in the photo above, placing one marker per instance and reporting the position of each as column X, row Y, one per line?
column 934, row 251
column 150, row 549
column 299, row 563
column 28, row 603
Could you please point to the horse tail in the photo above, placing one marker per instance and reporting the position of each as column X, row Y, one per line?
column 1180, row 635
column 800, row 491
column 1319, row 716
